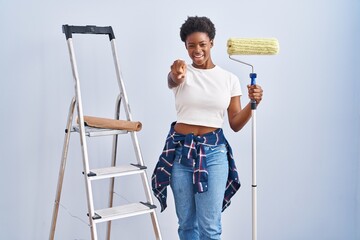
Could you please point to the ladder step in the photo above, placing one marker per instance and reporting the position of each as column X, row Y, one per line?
column 121, row 170
column 96, row 132
column 123, row 211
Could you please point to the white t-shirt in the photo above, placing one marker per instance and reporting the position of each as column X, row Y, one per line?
column 203, row 98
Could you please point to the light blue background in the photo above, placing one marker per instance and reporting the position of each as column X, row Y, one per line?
column 308, row 123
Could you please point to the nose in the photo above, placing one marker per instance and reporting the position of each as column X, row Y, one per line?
column 197, row 48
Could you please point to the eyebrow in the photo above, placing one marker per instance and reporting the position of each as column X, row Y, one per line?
column 204, row 41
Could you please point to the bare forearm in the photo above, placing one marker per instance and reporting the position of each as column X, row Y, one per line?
column 240, row 119
column 173, row 82
column 177, row 74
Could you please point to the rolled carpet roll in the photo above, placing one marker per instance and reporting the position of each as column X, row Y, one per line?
column 111, row 123
column 252, row 46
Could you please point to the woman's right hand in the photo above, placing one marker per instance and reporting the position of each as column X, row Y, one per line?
column 178, row 70
column 177, row 74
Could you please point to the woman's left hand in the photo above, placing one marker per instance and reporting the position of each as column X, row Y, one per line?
column 255, row 93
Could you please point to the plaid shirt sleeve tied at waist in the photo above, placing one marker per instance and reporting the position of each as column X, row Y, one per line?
column 193, row 156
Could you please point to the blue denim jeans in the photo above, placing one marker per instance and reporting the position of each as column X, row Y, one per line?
column 199, row 214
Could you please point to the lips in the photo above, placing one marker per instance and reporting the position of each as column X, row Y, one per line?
column 198, row 55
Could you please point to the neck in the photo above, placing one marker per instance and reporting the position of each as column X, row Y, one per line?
column 207, row 65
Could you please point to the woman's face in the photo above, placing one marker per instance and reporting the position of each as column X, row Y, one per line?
column 198, row 45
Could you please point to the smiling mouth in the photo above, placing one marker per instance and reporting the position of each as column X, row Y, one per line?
column 198, row 56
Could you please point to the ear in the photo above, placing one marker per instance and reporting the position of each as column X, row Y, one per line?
column 212, row 43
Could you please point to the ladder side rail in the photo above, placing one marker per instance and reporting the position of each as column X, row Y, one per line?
column 155, row 222
column 143, row 174
column 83, row 139
column 125, row 102
column 146, row 186
column 134, row 137
column 156, row 226
column 120, row 81
column 129, row 118
column 113, row 164
column 62, row 168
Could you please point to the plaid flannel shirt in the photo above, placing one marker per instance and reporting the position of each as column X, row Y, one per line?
column 193, row 156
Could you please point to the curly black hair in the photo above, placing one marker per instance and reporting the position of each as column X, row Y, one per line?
column 197, row 24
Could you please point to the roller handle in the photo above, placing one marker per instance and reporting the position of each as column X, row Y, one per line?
column 253, row 82
column 88, row 29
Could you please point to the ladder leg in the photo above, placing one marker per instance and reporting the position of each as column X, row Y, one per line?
column 89, row 193
column 83, row 140
column 154, row 219
column 113, row 164
column 156, row 226
column 62, row 169
column 134, row 139
column 146, row 185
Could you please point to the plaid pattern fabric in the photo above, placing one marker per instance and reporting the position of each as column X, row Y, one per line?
column 192, row 156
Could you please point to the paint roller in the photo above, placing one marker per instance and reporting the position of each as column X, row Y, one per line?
column 252, row 46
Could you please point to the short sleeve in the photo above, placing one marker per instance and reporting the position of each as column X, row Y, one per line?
column 235, row 86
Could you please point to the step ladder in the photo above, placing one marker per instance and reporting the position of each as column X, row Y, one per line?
column 90, row 175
